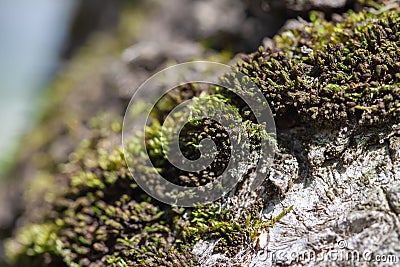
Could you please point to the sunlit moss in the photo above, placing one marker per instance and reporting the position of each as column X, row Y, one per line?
column 328, row 74
column 334, row 74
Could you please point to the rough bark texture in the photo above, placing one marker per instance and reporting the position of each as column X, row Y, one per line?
column 333, row 187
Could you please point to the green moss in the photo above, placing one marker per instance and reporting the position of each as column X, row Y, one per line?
column 104, row 217
column 328, row 74
column 231, row 229
column 34, row 242
column 333, row 74
column 195, row 130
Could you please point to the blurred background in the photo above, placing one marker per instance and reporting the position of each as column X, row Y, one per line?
column 33, row 35
column 37, row 38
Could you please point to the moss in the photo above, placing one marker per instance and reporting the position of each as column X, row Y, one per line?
column 104, row 217
column 33, row 240
column 204, row 97
column 231, row 229
column 333, row 74
column 326, row 74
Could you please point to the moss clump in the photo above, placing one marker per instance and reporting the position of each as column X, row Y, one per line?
column 222, row 120
column 103, row 218
column 330, row 74
column 231, row 229
column 38, row 242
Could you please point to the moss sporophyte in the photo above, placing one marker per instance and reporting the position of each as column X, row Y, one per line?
column 328, row 74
